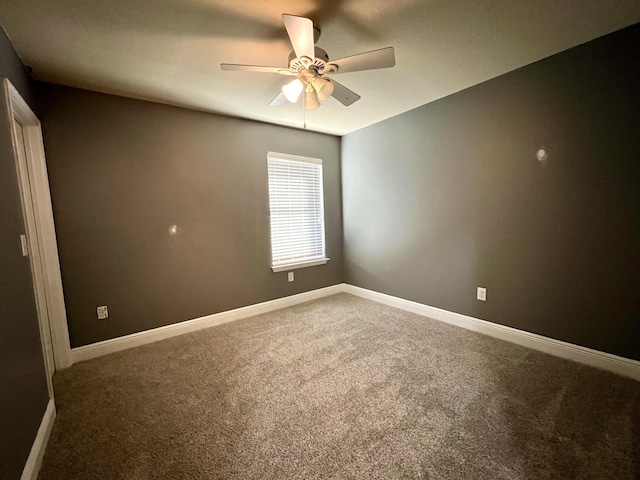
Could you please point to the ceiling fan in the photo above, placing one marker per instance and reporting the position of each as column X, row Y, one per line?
column 310, row 65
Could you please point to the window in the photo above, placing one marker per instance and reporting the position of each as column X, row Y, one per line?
column 297, row 211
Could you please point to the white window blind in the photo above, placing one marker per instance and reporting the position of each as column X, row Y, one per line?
column 297, row 211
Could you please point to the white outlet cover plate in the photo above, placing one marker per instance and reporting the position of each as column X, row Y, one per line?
column 482, row 294
column 103, row 313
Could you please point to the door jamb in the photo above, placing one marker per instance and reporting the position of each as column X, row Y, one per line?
column 44, row 224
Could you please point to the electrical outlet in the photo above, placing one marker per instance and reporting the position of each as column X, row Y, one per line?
column 290, row 276
column 103, row 313
column 482, row 294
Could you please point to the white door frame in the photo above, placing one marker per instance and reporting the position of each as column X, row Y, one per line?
column 29, row 242
column 43, row 245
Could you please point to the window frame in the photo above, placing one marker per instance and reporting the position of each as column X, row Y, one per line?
column 307, row 261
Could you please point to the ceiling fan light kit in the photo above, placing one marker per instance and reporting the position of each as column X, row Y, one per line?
column 309, row 64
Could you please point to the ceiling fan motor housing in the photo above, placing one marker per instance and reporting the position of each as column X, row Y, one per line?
column 320, row 63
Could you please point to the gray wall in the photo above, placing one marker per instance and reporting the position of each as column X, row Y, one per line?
column 450, row 196
column 23, row 385
column 123, row 171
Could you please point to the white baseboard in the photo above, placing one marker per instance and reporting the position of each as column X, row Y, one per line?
column 32, row 467
column 136, row 339
column 606, row 361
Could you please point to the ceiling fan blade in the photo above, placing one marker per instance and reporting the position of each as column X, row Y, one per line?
column 255, row 68
column 278, row 101
column 383, row 58
column 300, row 32
column 343, row 94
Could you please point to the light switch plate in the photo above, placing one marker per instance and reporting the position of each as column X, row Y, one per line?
column 25, row 245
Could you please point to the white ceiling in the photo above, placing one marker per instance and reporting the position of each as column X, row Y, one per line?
column 169, row 51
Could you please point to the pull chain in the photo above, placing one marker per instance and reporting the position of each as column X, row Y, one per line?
column 304, row 112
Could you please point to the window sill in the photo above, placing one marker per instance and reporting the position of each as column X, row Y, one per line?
column 293, row 266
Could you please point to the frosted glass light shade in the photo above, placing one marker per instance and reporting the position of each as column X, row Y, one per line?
column 292, row 90
column 324, row 88
column 311, row 100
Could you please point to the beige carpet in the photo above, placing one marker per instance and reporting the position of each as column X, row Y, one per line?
column 341, row 388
